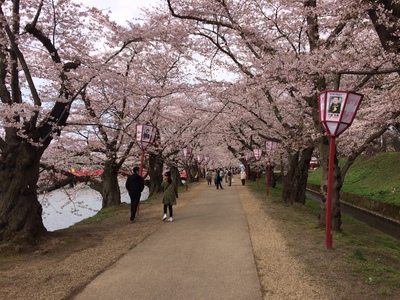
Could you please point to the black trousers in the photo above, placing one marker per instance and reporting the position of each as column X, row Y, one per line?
column 134, row 205
column 219, row 185
column 170, row 209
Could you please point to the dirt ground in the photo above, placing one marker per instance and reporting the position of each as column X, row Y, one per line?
column 291, row 263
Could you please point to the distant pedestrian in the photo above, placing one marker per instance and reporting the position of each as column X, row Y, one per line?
column 135, row 185
column 229, row 174
column 222, row 174
column 243, row 176
column 218, row 179
column 209, row 177
column 214, row 176
column 169, row 196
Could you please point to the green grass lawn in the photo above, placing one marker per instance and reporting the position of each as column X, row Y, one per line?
column 362, row 257
column 376, row 177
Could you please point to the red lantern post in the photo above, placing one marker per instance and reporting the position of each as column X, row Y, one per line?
column 206, row 161
column 187, row 153
column 257, row 153
column 337, row 110
column 247, row 157
column 269, row 147
column 145, row 136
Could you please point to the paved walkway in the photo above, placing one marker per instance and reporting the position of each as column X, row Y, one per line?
column 205, row 253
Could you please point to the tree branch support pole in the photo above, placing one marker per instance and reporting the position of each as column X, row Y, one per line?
column 268, row 176
column 257, row 175
column 199, row 173
column 329, row 193
column 187, row 174
column 141, row 163
column 141, row 174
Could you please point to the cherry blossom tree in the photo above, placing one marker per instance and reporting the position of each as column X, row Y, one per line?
column 136, row 88
column 299, row 49
column 73, row 80
column 49, row 53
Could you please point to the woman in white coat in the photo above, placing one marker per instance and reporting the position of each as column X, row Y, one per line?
column 243, row 176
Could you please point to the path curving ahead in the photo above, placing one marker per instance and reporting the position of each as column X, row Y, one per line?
column 206, row 253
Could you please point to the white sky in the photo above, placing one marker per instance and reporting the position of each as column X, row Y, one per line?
column 127, row 10
column 122, row 10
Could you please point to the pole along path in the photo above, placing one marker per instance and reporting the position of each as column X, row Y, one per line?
column 205, row 253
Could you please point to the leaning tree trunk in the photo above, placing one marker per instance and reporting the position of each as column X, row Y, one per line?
column 20, row 211
column 110, row 190
column 294, row 189
column 336, row 186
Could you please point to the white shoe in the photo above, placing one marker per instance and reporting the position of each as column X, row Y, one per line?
column 170, row 219
column 164, row 217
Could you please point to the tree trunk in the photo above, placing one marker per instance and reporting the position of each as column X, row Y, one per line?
column 110, row 190
column 396, row 144
column 272, row 176
column 289, row 182
column 176, row 177
column 155, row 172
column 192, row 171
column 295, row 186
column 252, row 173
column 20, row 211
column 336, row 187
column 387, row 31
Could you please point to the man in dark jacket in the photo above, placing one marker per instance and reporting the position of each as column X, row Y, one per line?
column 134, row 185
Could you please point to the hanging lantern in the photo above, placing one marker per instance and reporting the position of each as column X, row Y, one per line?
column 200, row 158
column 187, row 152
column 248, row 155
column 269, row 147
column 257, row 153
column 337, row 110
column 145, row 135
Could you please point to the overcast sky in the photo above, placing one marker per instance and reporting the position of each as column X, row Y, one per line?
column 122, row 10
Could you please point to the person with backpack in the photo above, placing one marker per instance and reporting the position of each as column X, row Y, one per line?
column 229, row 177
column 209, row 177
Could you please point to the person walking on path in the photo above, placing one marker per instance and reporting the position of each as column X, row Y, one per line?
column 218, row 179
column 222, row 174
column 214, row 177
column 243, row 176
column 229, row 175
column 135, row 185
column 209, row 177
column 169, row 196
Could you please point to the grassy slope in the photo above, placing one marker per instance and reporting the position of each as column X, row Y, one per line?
column 376, row 177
